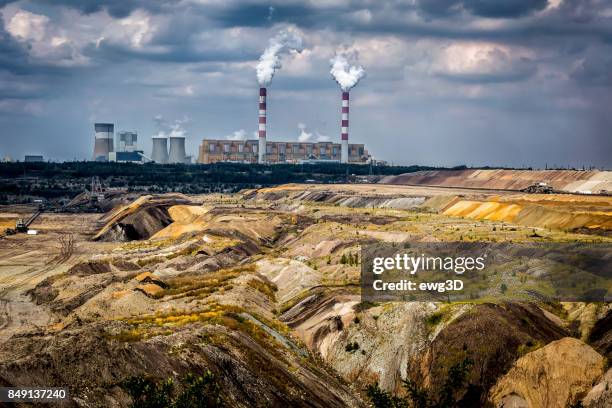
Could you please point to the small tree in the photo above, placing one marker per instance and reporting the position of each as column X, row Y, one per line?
column 420, row 398
column 198, row 391
column 343, row 260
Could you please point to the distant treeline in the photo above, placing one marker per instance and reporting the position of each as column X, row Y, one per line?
column 218, row 172
column 52, row 180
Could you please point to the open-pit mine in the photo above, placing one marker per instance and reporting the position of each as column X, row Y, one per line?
column 258, row 293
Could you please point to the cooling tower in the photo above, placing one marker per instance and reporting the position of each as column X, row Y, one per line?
column 160, row 149
column 177, row 150
column 105, row 133
column 344, row 154
column 262, row 126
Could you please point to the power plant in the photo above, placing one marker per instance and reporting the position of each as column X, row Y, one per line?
column 262, row 125
column 177, row 149
column 169, row 146
column 127, row 146
column 104, row 135
column 160, row 149
column 260, row 151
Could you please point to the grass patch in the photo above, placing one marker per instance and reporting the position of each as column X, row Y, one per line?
column 268, row 289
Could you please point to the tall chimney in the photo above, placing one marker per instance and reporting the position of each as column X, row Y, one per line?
column 262, row 126
column 344, row 153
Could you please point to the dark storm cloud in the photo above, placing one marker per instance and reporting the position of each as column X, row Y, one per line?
column 482, row 8
column 256, row 15
column 581, row 11
column 595, row 68
column 116, row 8
column 179, row 54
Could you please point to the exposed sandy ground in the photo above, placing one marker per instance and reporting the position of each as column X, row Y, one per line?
column 555, row 211
column 563, row 180
column 25, row 260
column 253, row 287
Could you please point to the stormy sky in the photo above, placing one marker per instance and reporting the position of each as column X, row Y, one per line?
column 449, row 82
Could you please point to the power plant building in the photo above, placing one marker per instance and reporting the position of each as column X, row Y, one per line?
column 127, row 141
column 135, row 156
column 33, row 158
column 104, row 135
column 247, row 151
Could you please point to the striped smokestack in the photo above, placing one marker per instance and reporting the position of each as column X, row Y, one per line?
column 262, row 126
column 345, row 126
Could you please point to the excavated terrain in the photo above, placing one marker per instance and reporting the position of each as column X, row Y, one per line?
column 255, row 288
column 571, row 181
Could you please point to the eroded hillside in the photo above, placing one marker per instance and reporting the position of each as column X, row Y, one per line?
column 262, row 289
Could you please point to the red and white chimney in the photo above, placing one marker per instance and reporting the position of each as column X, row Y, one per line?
column 262, row 126
column 344, row 153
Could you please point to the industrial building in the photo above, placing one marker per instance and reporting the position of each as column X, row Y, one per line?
column 247, row 151
column 104, row 136
column 136, row 156
column 127, row 141
column 126, row 145
column 33, row 158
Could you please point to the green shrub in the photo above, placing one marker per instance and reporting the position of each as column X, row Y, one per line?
column 198, row 391
column 352, row 347
column 419, row 398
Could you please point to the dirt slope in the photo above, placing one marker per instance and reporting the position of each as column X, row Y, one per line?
column 562, row 180
column 558, row 375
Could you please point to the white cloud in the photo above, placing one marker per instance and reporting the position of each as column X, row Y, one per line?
column 26, row 26
column 135, row 30
column 484, row 61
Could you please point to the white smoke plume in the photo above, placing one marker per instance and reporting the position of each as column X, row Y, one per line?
column 237, row 135
column 166, row 129
column 176, row 130
column 304, row 135
column 345, row 74
column 269, row 62
column 322, row 138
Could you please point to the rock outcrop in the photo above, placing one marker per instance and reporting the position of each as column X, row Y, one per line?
column 600, row 395
column 557, row 375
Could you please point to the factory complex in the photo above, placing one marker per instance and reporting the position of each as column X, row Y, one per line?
column 127, row 147
column 171, row 148
column 247, row 151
